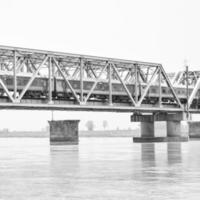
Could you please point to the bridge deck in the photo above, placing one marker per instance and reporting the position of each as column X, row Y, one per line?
column 36, row 106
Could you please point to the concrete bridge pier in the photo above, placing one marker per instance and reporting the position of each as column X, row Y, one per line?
column 147, row 129
column 64, row 132
column 175, row 130
column 194, row 129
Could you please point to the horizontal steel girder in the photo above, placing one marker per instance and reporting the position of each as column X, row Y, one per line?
column 99, row 108
column 158, row 116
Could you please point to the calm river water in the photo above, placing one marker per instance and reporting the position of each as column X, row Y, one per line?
column 99, row 168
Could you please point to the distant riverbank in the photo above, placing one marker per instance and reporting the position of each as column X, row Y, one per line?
column 95, row 133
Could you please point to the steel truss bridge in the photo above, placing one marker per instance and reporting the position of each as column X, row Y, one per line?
column 37, row 79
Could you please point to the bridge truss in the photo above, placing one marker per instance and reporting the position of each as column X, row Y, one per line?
column 192, row 79
column 36, row 79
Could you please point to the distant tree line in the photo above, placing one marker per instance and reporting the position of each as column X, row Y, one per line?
column 90, row 125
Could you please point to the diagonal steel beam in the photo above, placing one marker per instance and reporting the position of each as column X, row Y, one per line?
column 21, row 65
column 148, row 86
column 127, row 75
column 194, row 92
column 174, row 79
column 180, row 77
column 90, row 69
column 142, row 75
column 7, row 67
column 57, row 74
column 6, row 90
column 195, row 77
column 19, row 62
column 32, row 79
column 64, row 68
column 66, row 80
column 33, row 65
column 124, row 85
column 76, row 71
column 30, row 66
column 170, row 86
column 95, row 83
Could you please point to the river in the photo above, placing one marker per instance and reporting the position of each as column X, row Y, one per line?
column 99, row 168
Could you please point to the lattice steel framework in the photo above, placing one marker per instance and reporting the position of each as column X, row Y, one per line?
column 134, row 79
column 192, row 78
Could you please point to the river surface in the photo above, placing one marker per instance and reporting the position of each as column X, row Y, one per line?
column 99, row 168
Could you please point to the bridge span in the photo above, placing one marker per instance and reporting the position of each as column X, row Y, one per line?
column 38, row 79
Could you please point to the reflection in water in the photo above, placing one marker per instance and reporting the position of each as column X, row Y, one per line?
column 174, row 153
column 151, row 170
column 148, row 152
column 99, row 168
column 148, row 163
column 64, row 160
column 64, row 168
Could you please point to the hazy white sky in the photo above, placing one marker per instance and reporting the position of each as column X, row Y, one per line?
column 165, row 31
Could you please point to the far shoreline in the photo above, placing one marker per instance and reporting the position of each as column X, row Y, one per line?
column 95, row 133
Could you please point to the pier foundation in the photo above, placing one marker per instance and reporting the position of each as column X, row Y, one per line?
column 147, row 129
column 64, row 132
column 175, row 130
column 194, row 129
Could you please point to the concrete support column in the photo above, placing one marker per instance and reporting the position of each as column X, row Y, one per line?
column 147, row 129
column 64, row 132
column 173, row 128
column 194, row 129
column 162, row 127
column 177, row 131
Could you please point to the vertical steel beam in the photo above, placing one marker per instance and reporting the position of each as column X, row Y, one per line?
column 147, row 75
column 53, row 76
column 136, row 83
column 15, row 74
column 81, row 78
column 50, row 80
column 160, row 89
column 110, row 83
column 187, row 92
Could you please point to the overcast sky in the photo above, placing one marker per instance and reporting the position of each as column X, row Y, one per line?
column 164, row 31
